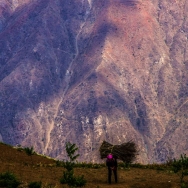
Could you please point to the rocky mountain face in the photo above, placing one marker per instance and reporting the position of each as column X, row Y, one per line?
column 91, row 70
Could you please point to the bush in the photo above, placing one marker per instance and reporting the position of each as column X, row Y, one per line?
column 59, row 163
column 71, row 180
column 184, row 185
column 8, row 180
column 79, row 181
column 29, row 151
column 180, row 166
column 35, row 184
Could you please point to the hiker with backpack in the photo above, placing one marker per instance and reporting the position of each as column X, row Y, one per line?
column 111, row 163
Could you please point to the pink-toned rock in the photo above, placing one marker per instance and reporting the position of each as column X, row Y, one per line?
column 88, row 71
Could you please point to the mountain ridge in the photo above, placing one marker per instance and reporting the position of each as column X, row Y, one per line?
column 89, row 71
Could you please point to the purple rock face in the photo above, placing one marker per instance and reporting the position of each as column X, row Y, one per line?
column 88, row 71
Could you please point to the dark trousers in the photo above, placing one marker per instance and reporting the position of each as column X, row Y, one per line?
column 110, row 174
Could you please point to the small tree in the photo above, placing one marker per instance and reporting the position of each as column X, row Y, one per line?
column 68, row 176
column 180, row 166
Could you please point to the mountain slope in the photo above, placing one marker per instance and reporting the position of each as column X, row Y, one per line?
column 89, row 71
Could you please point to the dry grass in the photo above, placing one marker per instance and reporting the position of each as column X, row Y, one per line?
column 45, row 170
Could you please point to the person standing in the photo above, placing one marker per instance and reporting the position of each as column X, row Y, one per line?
column 111, row 163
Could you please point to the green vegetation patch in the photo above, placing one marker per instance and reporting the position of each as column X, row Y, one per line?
column 35, row 184
column 8, row 180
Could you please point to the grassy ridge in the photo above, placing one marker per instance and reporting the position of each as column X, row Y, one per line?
column 49, row 172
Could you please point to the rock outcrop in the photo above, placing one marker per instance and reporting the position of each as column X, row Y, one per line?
column 87, row 71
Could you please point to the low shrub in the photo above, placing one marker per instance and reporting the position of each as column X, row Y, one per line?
column 35, row 184
column 8, row 180
column 29, row 151
column 184, row 185
column 59, row 163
